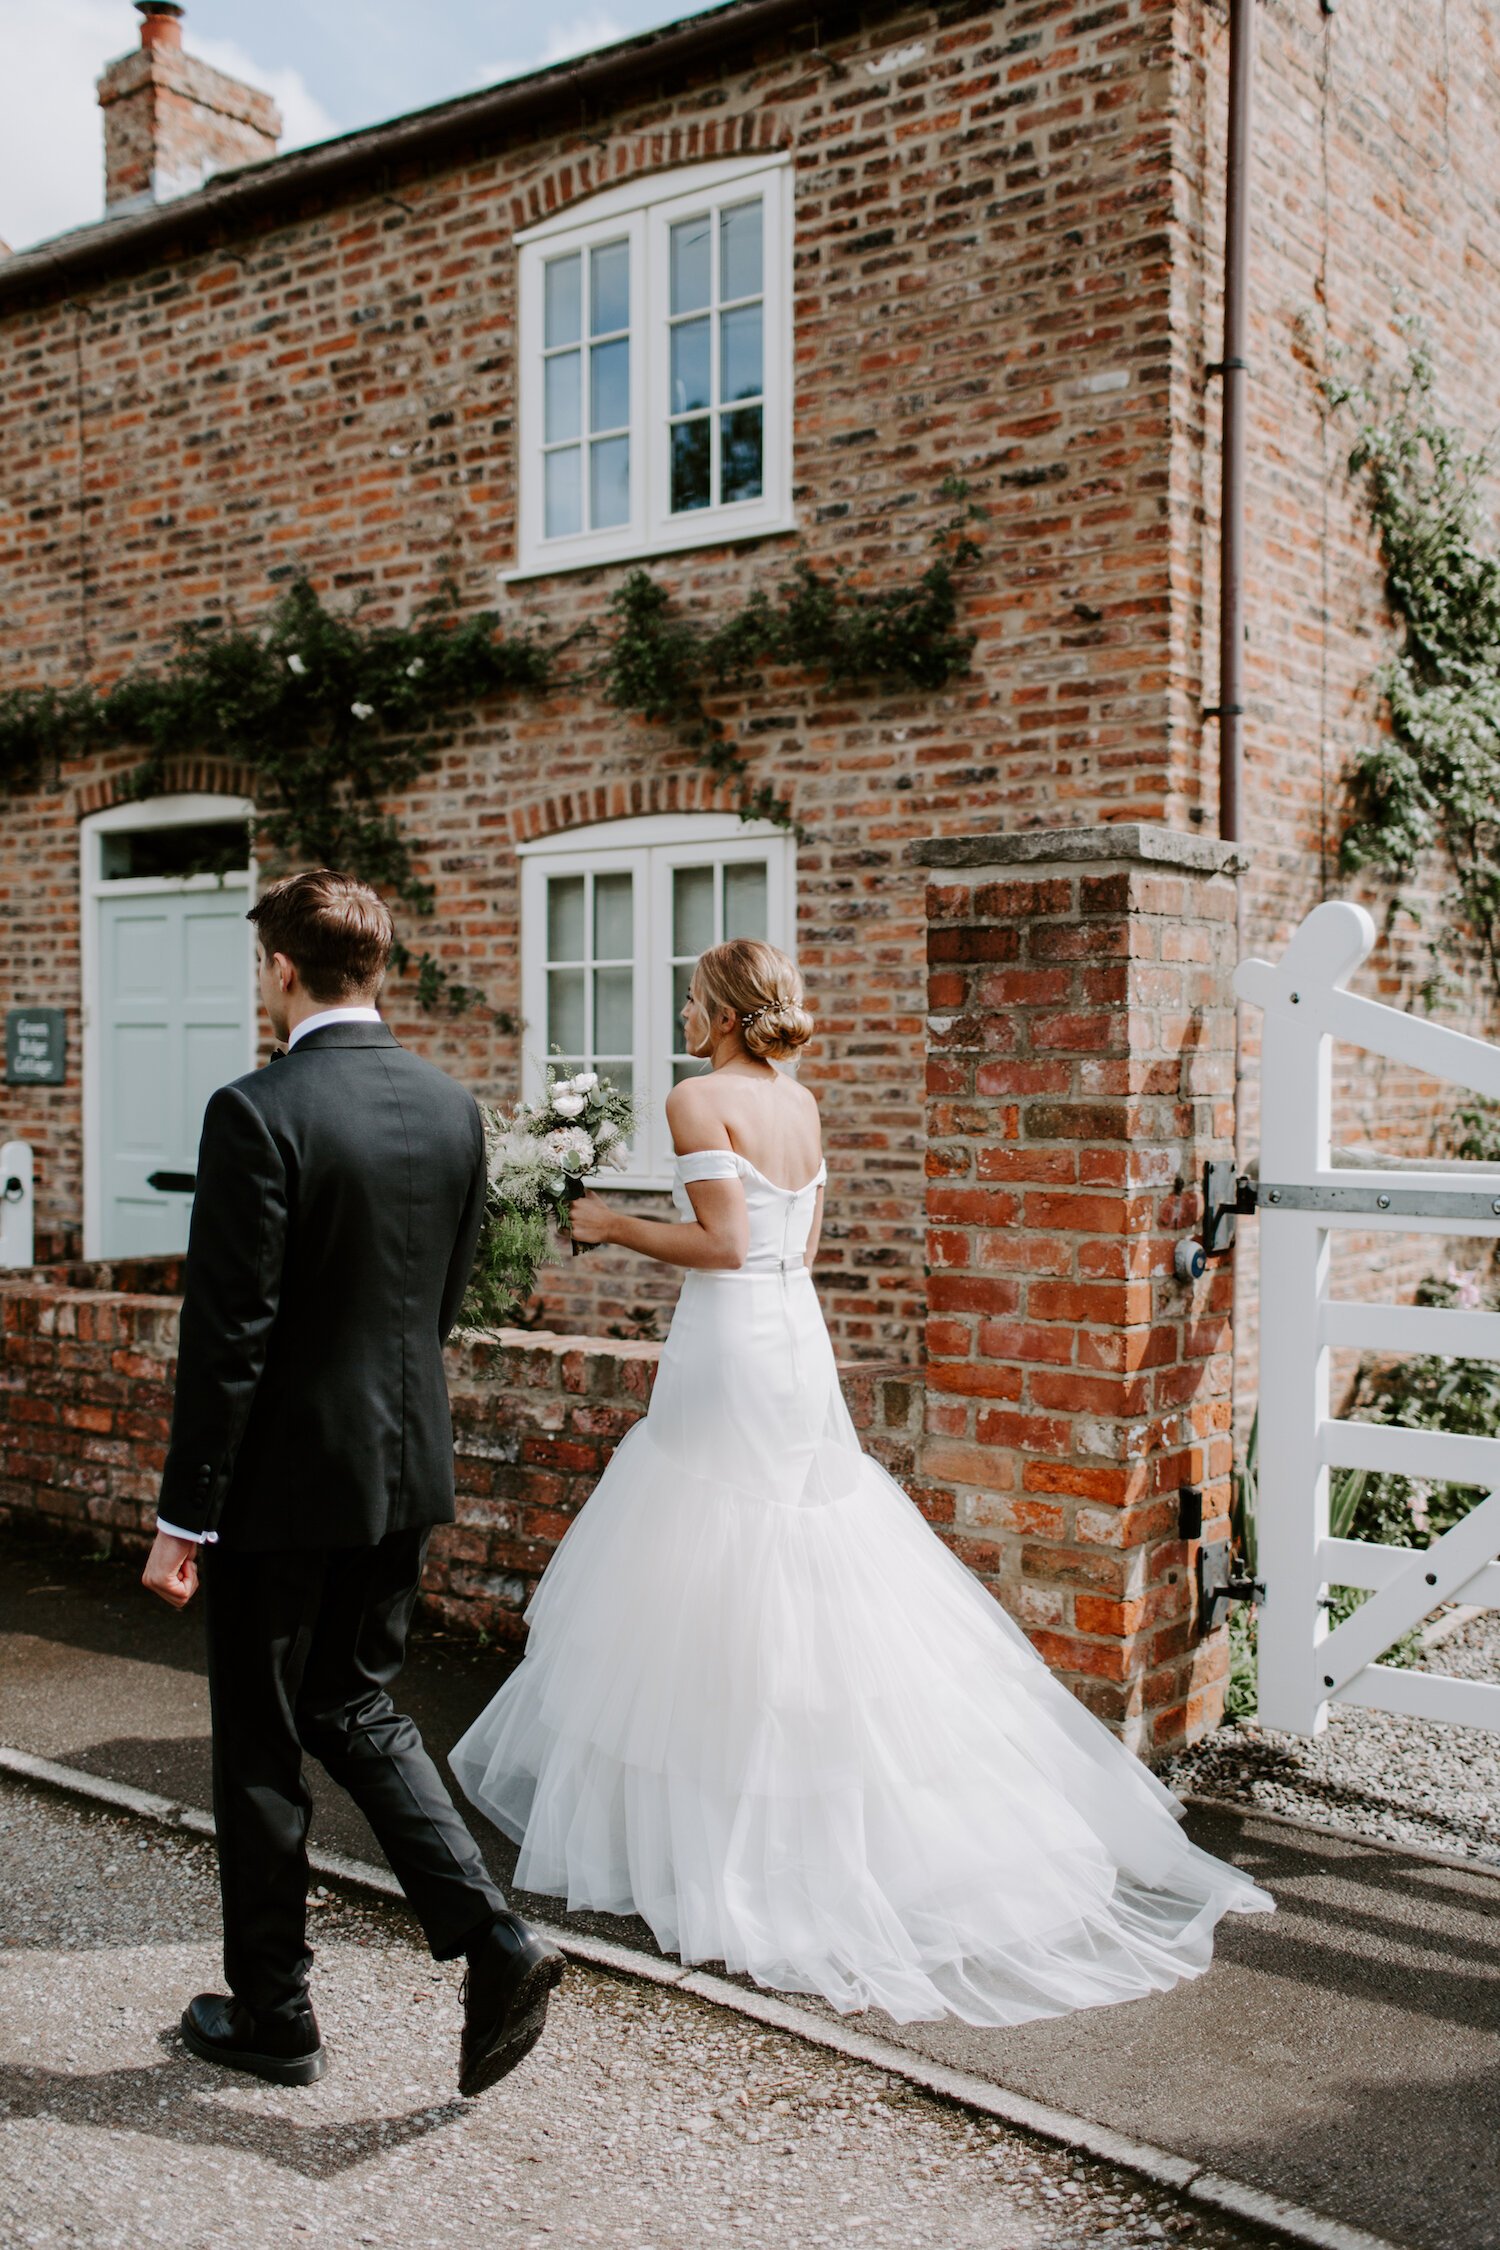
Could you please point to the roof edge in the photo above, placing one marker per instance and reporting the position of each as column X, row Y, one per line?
column 230, row 199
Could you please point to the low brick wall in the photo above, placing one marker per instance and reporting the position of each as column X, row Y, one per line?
column 86, row 1398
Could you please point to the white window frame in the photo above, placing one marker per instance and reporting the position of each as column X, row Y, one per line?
column 643, row 211
column 181, row 809
column 649, row 848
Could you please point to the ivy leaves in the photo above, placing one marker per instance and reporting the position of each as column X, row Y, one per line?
column 664, row 668
column 1434, row 784
column 334, row 717
column 337, row 717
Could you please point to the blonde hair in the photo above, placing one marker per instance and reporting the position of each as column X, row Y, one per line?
column 763, row 988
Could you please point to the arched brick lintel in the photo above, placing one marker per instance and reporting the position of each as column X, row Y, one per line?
column 573, row 178
column 179, row 777
column 554, row 814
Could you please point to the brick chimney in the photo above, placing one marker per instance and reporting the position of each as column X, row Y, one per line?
column 170, row 120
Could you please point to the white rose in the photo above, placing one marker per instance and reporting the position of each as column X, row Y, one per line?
column 606, row 1134
column 585, row 1081
column 415, row 669
column 363, row 710
column 617, row 1157
column 295, row 664
column 568, row 1105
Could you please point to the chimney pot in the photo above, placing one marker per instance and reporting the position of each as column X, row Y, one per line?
column 161, row 23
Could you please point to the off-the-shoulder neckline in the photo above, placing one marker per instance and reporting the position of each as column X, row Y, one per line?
column 775, row 1185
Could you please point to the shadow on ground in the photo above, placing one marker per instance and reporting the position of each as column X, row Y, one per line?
column 170, row 2101
column 1341, row 2053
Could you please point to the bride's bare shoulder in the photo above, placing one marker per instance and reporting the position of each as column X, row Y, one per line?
column 696, row 1116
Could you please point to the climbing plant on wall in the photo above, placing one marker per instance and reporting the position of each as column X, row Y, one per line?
column 333, row 716
column 336, row 717
column 663, row 666
column 1433, row 783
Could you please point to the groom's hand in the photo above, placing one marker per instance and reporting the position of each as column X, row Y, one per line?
column 172, row 1569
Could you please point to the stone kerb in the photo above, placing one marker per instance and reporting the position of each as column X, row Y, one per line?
column 1080, row 1070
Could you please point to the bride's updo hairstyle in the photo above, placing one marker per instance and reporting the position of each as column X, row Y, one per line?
column 763, row 988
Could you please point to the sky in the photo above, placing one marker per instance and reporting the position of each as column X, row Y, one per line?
column 332, row 65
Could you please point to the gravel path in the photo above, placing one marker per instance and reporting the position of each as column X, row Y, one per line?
column 646, row 2119
column 1403, row 1781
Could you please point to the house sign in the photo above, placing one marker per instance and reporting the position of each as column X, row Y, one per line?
column 36, row 1046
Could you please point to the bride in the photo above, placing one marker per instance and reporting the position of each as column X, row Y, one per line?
column 762, row 1705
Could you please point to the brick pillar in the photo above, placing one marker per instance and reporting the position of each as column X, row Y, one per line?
column 1080, row 1070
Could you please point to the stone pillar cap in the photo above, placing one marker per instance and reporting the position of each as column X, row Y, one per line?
column 1113, row 841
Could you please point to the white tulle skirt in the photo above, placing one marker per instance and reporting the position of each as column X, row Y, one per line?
column 765, row 1708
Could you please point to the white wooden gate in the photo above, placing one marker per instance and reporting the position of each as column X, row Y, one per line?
column 1301, row 1197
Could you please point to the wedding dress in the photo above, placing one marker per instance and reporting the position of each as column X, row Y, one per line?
column 764, row 1707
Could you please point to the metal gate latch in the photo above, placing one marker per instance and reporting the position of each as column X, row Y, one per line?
column 1219, row 1584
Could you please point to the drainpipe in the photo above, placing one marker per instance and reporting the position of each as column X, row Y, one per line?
column 1234, row 369
column 1234, row 372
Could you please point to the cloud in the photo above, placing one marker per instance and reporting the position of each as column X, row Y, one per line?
column 51, row 127
column 579, row 36
column 303, row 117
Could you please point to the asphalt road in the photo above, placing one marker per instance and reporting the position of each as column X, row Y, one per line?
column 645, row 2119
column 1341, row 2053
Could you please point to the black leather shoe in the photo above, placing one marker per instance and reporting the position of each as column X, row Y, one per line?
column 506, row 1992
column 291, row 2053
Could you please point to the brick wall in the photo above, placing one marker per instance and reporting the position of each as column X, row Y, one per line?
column 1080, row 1073
column 1007, row 265
column 85, row 1407
column 1372, row 192
column 981, row 287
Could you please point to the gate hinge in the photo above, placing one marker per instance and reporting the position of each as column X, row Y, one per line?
column 1368, row 1202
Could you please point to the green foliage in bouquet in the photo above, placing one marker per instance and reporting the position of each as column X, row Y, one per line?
column 539, row 1155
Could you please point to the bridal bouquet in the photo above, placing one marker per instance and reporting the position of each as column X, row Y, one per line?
column 538, row 1156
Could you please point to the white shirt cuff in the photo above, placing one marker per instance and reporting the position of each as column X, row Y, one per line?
column 175, row 1531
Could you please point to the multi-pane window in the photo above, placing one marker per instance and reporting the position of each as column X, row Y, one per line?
column 655, row 367
column 717, row 345
column 586, row 378
column 612, row 920
column 711, row 901
column 591, row 973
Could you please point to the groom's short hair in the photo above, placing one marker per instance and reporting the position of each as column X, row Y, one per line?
column 334, row 929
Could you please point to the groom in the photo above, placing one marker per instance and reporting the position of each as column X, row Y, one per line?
column 338, row 1206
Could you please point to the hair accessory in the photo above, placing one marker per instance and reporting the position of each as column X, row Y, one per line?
column 755, row 1016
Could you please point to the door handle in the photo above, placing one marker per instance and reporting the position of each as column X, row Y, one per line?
column 172, row 1183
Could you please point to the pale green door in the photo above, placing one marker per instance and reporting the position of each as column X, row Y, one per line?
column 175, row 1010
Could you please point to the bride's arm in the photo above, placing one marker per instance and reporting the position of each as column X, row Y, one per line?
column 713, row 1242
column 715, row 1239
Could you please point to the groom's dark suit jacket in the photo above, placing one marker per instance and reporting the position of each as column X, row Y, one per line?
column 339, row 1198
